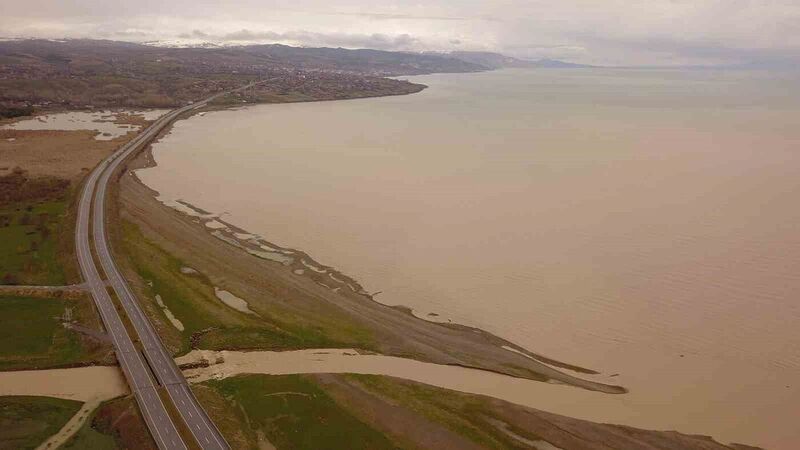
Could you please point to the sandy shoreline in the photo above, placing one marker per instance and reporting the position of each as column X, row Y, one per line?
column 241, row 263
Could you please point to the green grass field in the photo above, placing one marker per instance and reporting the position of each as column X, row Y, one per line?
column 25, row 422
column 88, row 438
column 463, row 414
column 192, row 300
column 29, row 243
column 294, row 413
column 115, row 424
column 32, row 335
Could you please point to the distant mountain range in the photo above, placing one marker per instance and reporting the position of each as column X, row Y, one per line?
column 375, row 62
column 39, row 56
column 492, row 60
column 476, row 60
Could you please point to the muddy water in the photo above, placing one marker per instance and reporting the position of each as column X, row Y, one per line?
column 100, row 121
column 233, row 301
column 91, row 385
column 224, row 364
column 84, row 384
column 641, row 223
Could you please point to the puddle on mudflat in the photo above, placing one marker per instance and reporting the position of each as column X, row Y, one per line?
column 233, row 301
column 100, row 121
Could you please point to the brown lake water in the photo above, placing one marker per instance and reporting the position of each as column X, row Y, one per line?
column 641, row 223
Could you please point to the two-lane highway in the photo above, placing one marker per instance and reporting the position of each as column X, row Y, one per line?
column 164, row 368
column 155, row 414
column 167, row 374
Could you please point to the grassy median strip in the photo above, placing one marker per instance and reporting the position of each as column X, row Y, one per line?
column 25, row 421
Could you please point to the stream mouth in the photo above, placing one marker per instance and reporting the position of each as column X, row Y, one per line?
column 202, row 365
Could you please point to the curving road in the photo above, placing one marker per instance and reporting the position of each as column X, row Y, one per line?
column 134, row 366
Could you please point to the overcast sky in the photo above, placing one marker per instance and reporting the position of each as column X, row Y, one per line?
column 613, row 32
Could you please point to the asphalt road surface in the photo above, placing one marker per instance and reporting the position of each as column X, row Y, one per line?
column 133, row 366
column 133, row 362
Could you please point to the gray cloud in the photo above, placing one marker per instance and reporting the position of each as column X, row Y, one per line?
column 703, row 51
column 379, row 16
column 302, row 37
column 131, row 33
column 195, row 34
column 247, row 35
column 591, row 31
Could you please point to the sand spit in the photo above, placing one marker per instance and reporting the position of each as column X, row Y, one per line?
column 207, row 364
column 556, row 399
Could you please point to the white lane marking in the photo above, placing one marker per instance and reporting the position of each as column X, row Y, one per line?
column 147, row 413
column 105, row 258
